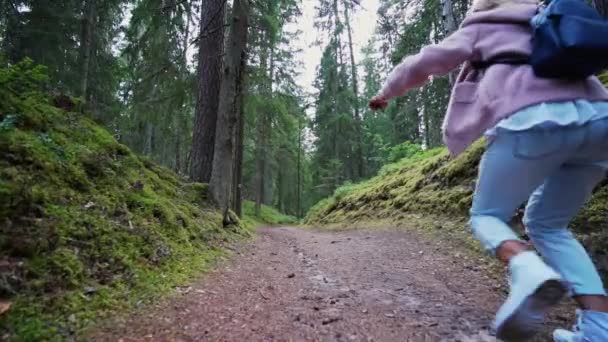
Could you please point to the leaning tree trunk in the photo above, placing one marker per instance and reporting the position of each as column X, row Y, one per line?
column 211, row 43
column 88, row 25
column 223, row 159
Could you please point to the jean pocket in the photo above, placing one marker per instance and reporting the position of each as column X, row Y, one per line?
column 538, row 144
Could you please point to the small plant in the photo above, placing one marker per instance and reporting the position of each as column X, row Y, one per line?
column 404, row 150
column 8, row 122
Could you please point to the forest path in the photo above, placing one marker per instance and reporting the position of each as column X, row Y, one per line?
column 292, row 284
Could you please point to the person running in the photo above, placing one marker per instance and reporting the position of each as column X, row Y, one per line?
column 547, row 144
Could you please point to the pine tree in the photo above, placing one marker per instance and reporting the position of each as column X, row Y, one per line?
column 271, row 71
column 74, row 40
column 158, row 83
column 337, row 106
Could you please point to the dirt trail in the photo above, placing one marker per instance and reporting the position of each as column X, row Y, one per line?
column 301, row 285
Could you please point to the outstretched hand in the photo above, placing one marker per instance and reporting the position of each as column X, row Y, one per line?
column 378, row 103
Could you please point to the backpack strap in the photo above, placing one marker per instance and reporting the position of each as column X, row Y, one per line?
column 508, row 60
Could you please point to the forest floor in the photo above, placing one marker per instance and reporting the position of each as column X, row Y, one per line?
column 292, row 284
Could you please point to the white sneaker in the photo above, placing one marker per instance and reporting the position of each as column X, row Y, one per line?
column 574, row 335
column 591, row 326
column 535, row 287
column 562, row 335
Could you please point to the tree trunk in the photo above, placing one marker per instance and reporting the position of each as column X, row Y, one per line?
column 188, row 157
column 602, row 7
column 335, row 84
column 268, row 183
column 88, row 25
column 9, row 16
column 337, row 33
column 427, row 129
column 238, row 163
column 268, row 188
column 449, row 26
column 178, row 146
column 299, row 171
column 280, row 204
column 360, row 172
column 260, row 170
column 211, row 44
column 178, row 156
column 186, row 42
column 178, row 118
column 223, row 159
column 261, row 124
column 148, row 133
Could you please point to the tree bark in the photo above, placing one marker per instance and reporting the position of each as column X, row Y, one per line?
column 88, row 26
column 211, row 46
column 223, row 159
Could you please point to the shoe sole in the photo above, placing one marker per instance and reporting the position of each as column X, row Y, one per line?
column 518, row 326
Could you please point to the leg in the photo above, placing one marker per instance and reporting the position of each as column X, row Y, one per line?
column 506, row 179
column 550, row 209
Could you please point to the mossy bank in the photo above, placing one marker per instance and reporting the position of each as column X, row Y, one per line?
column 87, row 228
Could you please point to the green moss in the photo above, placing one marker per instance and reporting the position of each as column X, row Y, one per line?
column 87, row 226
column 66, row 265
column 415, row 184
column 268, row 216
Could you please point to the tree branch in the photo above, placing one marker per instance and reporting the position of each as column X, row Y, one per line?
column 167, row 7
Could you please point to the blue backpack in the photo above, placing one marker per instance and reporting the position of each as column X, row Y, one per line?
column 570, row 40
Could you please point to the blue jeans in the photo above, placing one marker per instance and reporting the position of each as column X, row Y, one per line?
column 556, row 170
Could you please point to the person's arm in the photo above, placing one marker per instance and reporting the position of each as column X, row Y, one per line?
column 414, row 71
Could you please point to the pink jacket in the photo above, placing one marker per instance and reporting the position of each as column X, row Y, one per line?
column 480, row 99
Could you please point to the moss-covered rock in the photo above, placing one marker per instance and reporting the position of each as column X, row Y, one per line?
column 86, row 226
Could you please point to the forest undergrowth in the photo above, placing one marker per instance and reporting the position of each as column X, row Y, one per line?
column 88, row 227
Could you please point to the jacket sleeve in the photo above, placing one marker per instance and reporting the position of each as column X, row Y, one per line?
column 439, row 59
